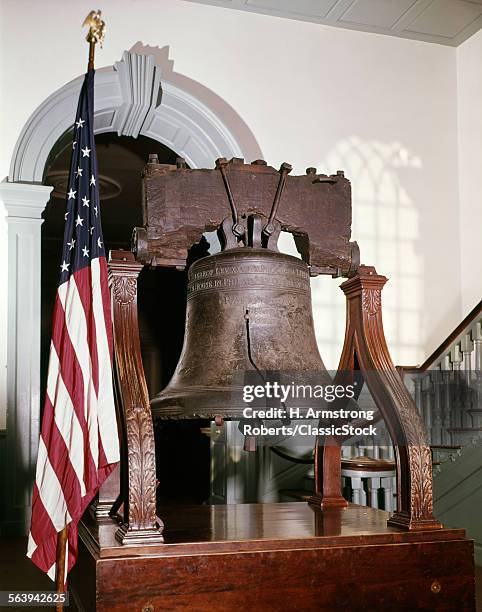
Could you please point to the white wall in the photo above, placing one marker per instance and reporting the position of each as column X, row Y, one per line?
column 469, row 69
column 381, row 108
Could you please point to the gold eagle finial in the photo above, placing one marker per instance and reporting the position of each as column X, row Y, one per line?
column 96, row 31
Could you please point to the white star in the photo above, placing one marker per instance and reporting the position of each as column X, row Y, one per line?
column 85, row 152
column 71, row 193
column 64, row 267
column 71, row 244
column 85, row 201
column 79, row 221
column 92, row 180
column 73, row 144
column 91, row 230
column 80, row 123
column 95, row 210
column 85, row 252
column 99, row 243
column 79, row 171
column 66, row 215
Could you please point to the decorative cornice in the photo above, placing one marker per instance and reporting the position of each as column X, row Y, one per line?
column 140, row 84
column 24, row 200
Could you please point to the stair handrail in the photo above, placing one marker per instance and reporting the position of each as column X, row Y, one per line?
column 452, row 338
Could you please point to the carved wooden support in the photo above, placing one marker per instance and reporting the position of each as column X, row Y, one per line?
column 108, row 494
column 328, row 476
column 138, row 463
column 365, row 341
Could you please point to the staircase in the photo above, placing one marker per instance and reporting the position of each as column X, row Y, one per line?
column 447, row 389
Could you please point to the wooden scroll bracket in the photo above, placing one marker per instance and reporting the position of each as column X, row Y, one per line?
column 365, row 345
column 138, row 462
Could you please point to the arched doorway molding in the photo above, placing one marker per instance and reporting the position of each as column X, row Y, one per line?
column 178, row 114
column 167, row 112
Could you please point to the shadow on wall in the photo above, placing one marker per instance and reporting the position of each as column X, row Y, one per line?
column 217, row 105
column 386, row 225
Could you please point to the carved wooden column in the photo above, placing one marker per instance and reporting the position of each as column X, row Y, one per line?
column 138, row 462
column 328, row 475
column 365, row 339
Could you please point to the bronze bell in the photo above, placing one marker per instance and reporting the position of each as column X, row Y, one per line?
column 248, row 310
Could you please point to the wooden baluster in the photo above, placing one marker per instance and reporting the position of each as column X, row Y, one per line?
column 477, row 371
column 477, row 339
column 373, row 485
column 437, row 408
column 359, row 496
column 446, row 405
column 427, row 391
column 467, row 346
column 457, row 409
column 417, row 395
column 387, row 486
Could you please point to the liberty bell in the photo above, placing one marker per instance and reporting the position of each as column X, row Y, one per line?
column 248, row 310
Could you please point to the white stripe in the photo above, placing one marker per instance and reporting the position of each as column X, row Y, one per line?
column 106, row 406
column 77, row 328
column 32, row 545
column 51, row 572
column 66, row 418
column 50, row 491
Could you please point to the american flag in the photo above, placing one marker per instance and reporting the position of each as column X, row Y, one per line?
column 79, row 441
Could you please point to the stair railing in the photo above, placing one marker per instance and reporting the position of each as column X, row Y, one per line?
column 447, row 388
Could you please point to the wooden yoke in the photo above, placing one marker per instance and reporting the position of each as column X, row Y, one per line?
column 365, row 342
column 138, row 462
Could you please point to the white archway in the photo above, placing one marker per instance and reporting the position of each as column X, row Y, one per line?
column 176, row 118
column 129, row 100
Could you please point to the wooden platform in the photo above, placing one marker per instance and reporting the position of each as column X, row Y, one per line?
column 286, row 556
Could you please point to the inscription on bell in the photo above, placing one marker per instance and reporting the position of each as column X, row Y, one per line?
column 253, row 268
column 290, row 281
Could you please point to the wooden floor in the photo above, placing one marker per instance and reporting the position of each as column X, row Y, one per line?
column 17, row 573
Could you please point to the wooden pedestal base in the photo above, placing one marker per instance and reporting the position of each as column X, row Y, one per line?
column 288, row 556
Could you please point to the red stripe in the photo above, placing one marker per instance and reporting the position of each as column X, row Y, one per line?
column 44, row 534
column 106, row 302
column 58, row 454
column 83, row 281
column 74, row 383
column 42, row 529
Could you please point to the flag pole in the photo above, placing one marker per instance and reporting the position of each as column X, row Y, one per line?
column 95, row 35
column 60, row 564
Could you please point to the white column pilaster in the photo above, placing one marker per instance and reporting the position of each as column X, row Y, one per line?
column 24, row 204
